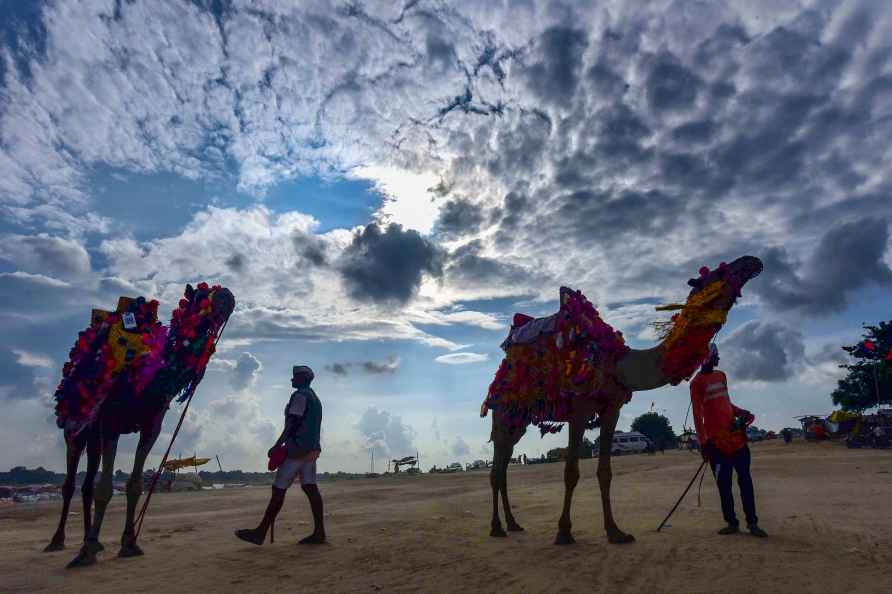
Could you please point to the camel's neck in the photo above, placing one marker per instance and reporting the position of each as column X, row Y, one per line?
column 683, row 348
column 642, row 369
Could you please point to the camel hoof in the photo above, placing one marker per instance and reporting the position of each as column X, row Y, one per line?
column 620, row 538
column 498, row 532
column 55, row 546
column 515, row 527
column 84, row 558
column 564, row 538
column 130, row 550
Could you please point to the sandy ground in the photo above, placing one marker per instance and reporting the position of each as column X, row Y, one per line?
column 828, row 511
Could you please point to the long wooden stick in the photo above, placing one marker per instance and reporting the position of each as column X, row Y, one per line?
column 677, row 503
column 145, row 504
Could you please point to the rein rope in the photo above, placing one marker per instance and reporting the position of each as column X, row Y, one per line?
column 191, row 389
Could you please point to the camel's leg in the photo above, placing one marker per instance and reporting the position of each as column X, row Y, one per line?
column 94, row 454
column 510, row 522
column 87, row 554
column 147, row 438
column 605, row 475
column 571, row 477
column 503, row 440
column 74, row 447
column 500, row 446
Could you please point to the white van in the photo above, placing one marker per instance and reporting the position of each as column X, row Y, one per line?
column 630, row 442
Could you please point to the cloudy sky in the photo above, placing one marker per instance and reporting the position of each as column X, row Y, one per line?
column 383, row 184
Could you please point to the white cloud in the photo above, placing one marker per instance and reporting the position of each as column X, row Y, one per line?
column 462, row 358
column 385, row 433
column 33, row 360
column 460, row 448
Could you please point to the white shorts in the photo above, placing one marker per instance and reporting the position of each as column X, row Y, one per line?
column 291, row 468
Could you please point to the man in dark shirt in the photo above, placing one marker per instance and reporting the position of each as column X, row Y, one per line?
column 303, row 423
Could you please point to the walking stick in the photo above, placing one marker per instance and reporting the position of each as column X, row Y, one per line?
column 677, row 503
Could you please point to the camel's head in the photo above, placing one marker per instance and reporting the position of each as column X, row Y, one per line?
column 194, row 329
column 719, row 289
column 205, row 309
column 687, row 336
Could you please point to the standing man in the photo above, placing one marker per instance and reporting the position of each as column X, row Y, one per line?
column 303, row 423
column 721, row 429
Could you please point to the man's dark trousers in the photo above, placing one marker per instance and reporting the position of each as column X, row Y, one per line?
column 722, row 466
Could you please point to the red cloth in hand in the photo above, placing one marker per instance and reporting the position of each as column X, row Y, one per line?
column 280, row 454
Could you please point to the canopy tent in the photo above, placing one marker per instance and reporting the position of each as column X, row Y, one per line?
column 174, row 465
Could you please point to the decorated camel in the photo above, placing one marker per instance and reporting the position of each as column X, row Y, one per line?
column 123, row 372
column 573, row 368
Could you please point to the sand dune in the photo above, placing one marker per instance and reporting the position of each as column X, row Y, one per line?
column 826, row 508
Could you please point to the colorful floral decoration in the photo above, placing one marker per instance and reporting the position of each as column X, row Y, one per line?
column 129, row 353
column 113, row 344
column 687, row 335
column 191, row 341
column 551, row 361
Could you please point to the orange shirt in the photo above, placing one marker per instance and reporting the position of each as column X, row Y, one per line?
column 714, row 414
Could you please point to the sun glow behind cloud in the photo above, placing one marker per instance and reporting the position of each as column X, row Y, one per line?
column 409, row 199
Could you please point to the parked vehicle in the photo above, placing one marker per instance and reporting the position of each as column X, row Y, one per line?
column 754, row 434
column 630, row 442
column 454, row 467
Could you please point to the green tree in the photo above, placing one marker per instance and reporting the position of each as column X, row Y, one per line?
column 869, row 381
column 656, row 427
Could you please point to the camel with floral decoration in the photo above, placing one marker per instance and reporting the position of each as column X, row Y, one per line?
column 573, row 368
column 122, row 374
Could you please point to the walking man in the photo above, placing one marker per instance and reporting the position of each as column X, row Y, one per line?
column 303, row 423
column 721, row 430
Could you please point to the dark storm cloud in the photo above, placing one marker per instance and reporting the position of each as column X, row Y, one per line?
column 459, row 217
column 716, row 50
column 628, row 213
column 338, row 368
column 670, row 85
column 23, row 294
column 849, row 257
column 522, row 147
column 310, row 248
column 554, row 79
column 467, row 267
column 745, row 122
column 370, row 367
column 762, row 351
column 236, row 262
column 46, row 255
column 16, row 380
column 695, row 132
column 387, row 264
column 606, row 82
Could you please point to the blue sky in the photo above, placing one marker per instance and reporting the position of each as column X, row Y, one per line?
column 383, row 185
